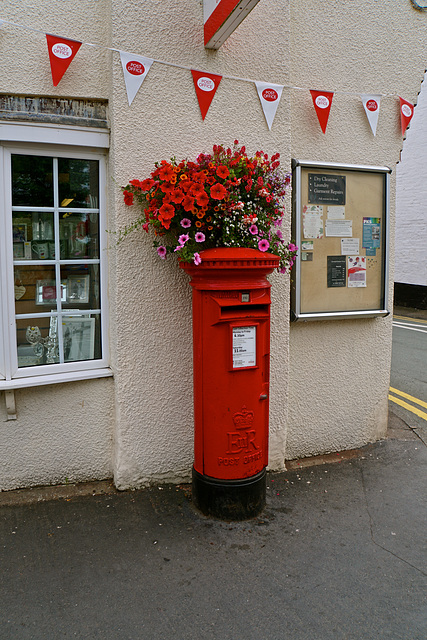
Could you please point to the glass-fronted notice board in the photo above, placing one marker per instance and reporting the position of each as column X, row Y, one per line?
column 340, row 224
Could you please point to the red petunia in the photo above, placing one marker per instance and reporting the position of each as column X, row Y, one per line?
column 166, row 213
column 128, row 197
column 188, row 203
column 177, row 196
column 222, row 171
column 146, row 184
column 202, row 199
column 135, row 183
column 166, row 187
column 166, row 172
column 196, row 189
column 218, row 192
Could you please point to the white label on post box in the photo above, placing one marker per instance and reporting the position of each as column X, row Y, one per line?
column 244, row 347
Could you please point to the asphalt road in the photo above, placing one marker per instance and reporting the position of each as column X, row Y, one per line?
column 408, row 381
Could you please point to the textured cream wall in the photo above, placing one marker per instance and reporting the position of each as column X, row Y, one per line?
column 153, row 356
column 62, row 431
column 339, row 371
column 25, row 67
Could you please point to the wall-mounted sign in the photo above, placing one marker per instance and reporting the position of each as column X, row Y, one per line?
column 222, row 17
column 244, row 347
column 326, row 189
column 340, row 223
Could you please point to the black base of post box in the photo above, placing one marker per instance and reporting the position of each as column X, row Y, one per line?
column 229, row 499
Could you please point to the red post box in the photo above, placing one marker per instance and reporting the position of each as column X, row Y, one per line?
column 231, row 355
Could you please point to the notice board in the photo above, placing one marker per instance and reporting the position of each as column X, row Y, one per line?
column 340, row 224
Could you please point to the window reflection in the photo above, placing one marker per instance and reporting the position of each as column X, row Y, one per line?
column 78, row 183
column 32, row 181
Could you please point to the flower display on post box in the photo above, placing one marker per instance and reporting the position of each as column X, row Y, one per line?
column 222, row 199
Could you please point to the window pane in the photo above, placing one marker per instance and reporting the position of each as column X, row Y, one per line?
column 37, row 340
column 33, row 236
column 32, row 181
column 35, row 289
column 82, row 286
column 79, row 235
column 81, row 338
column 78, row 183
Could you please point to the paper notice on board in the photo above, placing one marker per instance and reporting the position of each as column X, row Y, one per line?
column 339, row 228
column 312, row 225
column 356, row 271
column 349, row 246
column 244, row 347
column 307, row 245
column 336, row 212
column 336, row 271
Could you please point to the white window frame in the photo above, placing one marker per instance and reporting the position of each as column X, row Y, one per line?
column 53, row 141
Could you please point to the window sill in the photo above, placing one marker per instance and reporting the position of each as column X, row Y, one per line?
column 37, row 381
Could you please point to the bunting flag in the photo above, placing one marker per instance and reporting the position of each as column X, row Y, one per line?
column 406, row 113
column 269, row 95
column 206, row 85
column 322, row 101
column 61, row 54
column 371, row 104
column 135, row 69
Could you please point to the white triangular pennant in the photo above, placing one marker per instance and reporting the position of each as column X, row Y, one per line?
column 135, row 69
column 269, row 95
column 371, row 104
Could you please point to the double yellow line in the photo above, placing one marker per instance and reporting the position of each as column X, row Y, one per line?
column 406, row 405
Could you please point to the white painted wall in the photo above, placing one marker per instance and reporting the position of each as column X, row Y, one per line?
column 411, row 199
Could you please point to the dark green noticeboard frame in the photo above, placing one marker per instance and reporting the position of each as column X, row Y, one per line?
column 341, row 226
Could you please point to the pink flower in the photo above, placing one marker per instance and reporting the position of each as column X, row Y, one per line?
column 197, row 259
column 161, row 252
column 183, row 239
column 292, row 247
column 199, row 237
column 253, row 229
column 263, row 245
column 185, row 223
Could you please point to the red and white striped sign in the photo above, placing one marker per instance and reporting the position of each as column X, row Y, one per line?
column 222, row 17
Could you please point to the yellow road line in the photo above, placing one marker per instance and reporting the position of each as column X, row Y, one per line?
column 408, row 397
column 410, row 319
column 409, row 407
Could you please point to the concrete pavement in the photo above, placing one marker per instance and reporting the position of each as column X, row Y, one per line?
column 339, row 553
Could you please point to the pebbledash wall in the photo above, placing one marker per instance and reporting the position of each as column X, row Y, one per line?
column 329, row 380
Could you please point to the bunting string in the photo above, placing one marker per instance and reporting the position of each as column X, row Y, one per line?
column 135, row 68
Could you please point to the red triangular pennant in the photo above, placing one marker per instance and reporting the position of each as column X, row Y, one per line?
column 61, row 53
column 206, row 85
column 406, row 113
column 322, row 101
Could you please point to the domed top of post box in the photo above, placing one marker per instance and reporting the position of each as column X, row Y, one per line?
column 231, row 268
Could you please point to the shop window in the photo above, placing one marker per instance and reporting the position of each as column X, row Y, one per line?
column 52, row 266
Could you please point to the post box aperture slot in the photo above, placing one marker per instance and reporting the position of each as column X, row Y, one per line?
column 245, row 311
column 244, row 347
